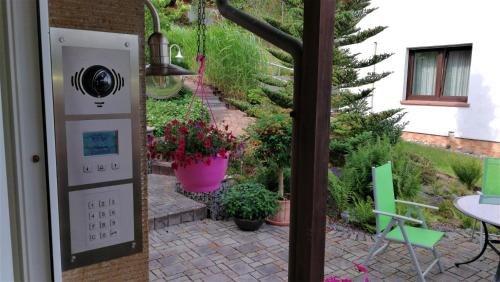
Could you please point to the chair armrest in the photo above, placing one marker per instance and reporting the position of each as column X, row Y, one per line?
column 417, row 204
column 397, row 216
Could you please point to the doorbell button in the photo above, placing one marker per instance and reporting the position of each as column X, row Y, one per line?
column 115, row 165
column 101, row 167
column 87, row 169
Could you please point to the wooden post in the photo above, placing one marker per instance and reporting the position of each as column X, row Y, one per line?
column 310, row 144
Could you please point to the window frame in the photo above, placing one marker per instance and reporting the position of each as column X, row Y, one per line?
column 440, row 75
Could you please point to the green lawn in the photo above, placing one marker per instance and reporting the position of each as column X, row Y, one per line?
column 441, row 158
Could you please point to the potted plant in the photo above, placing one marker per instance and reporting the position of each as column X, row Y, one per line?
column 249, row 204
column 199, row 153
column 272, row 138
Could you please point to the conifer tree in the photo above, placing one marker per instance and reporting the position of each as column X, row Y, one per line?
column 354, row 123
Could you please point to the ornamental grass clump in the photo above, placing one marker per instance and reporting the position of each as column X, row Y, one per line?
column 468, row 171
column 186, row 143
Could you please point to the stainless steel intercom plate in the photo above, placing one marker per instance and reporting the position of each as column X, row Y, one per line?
column 95, row 78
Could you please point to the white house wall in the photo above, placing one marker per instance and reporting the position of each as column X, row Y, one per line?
column 422, row 23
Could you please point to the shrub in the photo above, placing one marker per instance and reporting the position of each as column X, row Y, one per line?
column 339, row 193
column 361, row 214
column 468, row 171
column 255, row 96
column 427, row 169
column 234, row 56
column 250, row 201
column 357, row 173
column 272, row 139
column 406, row 175
column 341, row 147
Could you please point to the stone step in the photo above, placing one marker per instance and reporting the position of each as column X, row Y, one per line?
column 167, row 207
column 162, row 168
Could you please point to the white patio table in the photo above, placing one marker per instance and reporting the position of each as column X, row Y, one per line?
column 487, row 214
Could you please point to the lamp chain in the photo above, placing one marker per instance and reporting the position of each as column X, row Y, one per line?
column 201, row 27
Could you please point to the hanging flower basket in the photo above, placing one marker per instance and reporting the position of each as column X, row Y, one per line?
column 202, row 177
column 199, row 153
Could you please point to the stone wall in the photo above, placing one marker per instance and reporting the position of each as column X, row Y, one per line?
column 122, row 16
column 478, row 147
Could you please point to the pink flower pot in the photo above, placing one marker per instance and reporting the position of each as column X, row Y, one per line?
column 200, row 177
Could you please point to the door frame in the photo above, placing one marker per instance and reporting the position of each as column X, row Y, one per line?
column 22, row 146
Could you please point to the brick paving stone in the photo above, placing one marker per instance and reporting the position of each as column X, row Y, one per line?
column 246, row 278
column 196, row 251
column 241, row 268
column 268, row 269
column 272, row 278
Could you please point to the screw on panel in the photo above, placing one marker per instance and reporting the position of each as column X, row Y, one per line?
column 133, row 245
column 127, row 44
column 61, row 39
column 73, row 258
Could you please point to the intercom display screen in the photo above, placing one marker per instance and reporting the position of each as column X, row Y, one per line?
column 98, row 143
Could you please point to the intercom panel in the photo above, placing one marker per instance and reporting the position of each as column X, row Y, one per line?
column 95, row 80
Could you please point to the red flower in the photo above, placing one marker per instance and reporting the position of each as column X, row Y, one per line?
column 198, row 156
column 222, row 152
column 208, row 161
column 200, row 136
column 175, row 166
column 183, row 130
column 208, row 143
column 175, row 122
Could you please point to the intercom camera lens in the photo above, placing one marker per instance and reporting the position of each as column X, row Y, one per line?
column 98, row 81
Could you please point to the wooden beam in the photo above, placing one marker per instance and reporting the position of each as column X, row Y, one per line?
column 310, row 144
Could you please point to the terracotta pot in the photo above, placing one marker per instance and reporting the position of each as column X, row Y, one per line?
column 248, row 225
column 201, row 177
column 282, row 217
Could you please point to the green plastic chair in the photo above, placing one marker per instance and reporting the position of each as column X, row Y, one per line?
column 391, row 227
column 491, row 177
column 490, row 190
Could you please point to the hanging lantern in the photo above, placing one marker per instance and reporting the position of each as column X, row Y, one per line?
column 159, row 62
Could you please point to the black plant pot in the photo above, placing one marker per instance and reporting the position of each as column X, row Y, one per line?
column 248, row 225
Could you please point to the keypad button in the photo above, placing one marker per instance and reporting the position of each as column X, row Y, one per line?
column 112, row 222
column 91, row 205
column 103, row 235
column 112, row 202
column 92, row 216
column 102, row 214
column 91, row 226
column 113, row 233
column 92, row 237
column 102, row 203
column 112, row 212
column 102, row 225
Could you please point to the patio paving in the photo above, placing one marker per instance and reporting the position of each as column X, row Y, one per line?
column 217, row 251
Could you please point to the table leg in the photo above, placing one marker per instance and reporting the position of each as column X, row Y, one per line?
column 486, row 240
